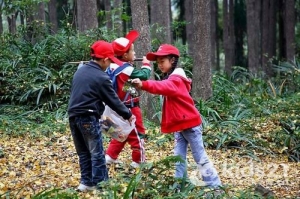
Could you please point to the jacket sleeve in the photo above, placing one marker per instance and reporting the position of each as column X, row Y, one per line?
column 168, row 87
column 143, row 73
column 111, row 99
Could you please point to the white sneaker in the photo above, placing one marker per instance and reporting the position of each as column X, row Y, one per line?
column 84, row 188
column 135, row 165
column 109, row 160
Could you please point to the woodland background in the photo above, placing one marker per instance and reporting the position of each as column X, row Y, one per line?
column 243, row 58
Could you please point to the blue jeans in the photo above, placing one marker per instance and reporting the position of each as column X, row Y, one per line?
column 87, row 139
column 193, row 136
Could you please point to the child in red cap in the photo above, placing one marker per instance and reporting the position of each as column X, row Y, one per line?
column 124, row 50
column 86, row 107
column 179, row 114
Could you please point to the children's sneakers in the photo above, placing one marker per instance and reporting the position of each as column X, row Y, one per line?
column 109, row 160
column 84, row 188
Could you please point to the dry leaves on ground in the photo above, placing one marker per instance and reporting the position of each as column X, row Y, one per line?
column 28, row 166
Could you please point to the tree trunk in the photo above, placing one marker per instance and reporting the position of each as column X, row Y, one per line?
column 53, row 15
column 289, row 29
column 161, row 26
column 189, row 28
column 202, row 76
column 240, row 29
column 268, row 35
column 228, row 35
column 140, row 22
column 214, row 37
column 12, row 26
column 86, row 15
column 118, row 25
column 253, row 35
column 40, row 14
column 108, row 18
column 1, row 19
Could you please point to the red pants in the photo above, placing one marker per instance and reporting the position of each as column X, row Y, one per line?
column 136, row 143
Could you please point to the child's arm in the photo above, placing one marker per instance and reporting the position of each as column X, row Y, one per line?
column 168, row 87
column 143, row 73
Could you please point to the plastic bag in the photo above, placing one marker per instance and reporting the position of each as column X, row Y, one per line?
column 115, row 126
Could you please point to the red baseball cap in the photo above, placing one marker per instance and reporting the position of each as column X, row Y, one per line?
column 122, row 44
column 163, row 50
column 102, row 49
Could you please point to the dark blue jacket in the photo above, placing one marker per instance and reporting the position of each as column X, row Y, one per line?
column 91, row 87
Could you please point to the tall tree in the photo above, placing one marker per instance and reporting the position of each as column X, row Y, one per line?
column 117, row 18
column 157, row 10
column 86, row 14
column 1, row 19
column 11, row 13
column 53, row 15
column 140, row 22
column 40, row 13
column 253, row 35
column 228, row 35
column 189, row 27
column 107, row 6
column 268, row 35
column 214, row 36
column 289, row 29
column 202, row 76
column 240, row 31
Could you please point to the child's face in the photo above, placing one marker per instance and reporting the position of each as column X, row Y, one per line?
column 164, row 64
column 130, row 55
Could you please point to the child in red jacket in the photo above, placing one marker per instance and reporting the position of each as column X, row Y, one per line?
column 124, row 50
column 179, row 114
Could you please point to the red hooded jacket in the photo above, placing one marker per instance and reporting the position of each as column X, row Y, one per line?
column 178, row 111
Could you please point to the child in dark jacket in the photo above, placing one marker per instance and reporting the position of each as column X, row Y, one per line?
column 179, row 114
column 91, row 87
column 124, row 50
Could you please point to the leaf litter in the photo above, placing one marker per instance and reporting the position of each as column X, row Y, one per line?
column 29, row 166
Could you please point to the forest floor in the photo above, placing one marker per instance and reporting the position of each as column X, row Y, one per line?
column 31, row 165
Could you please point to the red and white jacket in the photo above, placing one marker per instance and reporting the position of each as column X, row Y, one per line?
column 130, row 72
column 178, row 111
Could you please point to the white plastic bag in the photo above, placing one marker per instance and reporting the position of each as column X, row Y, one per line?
column 115, row 126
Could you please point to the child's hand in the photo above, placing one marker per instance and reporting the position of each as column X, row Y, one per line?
column 131, row 119
column 145, row 61
column 137, row 83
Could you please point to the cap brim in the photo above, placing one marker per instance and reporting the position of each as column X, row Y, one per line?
column 116, row 60
column 153, row 56
column 132, row 35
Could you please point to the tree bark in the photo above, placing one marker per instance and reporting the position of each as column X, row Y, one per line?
column 12, row 25
column 228, row 35
column 118, row 26
column 289, row 29
column 268, row 35
column 86, row 15
column 40, row 14
column 1, row 19
column 108, row 15
column 253, row 35
column 189, row 28
column 161, row 26
column 53, row 16
column 214, row 37
column 202, row 76
column 240, row 29
column 140, row 22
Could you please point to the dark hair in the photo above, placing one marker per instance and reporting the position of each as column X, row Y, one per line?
column 96, row 58
column 174, row 65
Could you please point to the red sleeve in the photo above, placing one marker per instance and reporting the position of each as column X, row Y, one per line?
column 168, row 87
